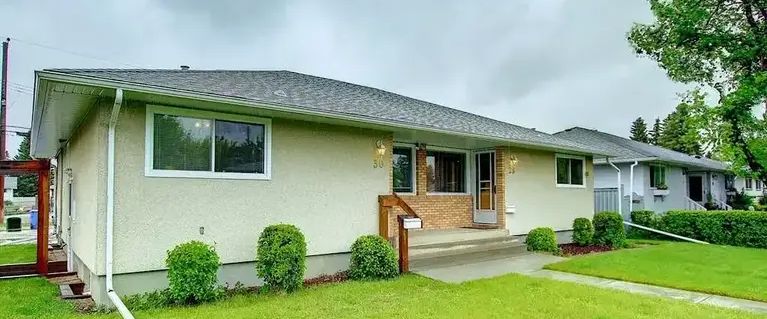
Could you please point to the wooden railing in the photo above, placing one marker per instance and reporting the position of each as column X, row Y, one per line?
column 385, row 203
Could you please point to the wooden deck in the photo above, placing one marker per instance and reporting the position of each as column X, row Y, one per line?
column 57, row 262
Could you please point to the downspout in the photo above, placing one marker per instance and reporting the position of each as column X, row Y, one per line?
column 124, row 312
column 631, row 186
column 620, row 195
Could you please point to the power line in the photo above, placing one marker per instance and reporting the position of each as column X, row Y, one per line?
column 50, row 47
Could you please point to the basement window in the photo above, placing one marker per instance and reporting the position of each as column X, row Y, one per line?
column 198, row 144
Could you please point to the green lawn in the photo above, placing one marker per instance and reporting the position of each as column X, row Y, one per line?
column 408, row 297
column 723, row 270
column 18, row 254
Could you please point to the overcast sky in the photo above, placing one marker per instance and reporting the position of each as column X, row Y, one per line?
column 547, row 64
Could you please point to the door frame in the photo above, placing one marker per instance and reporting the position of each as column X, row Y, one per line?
column 702, row 186
column 484, row 216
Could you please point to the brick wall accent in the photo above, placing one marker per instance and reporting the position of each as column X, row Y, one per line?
column 421, row 172
column 501, row 157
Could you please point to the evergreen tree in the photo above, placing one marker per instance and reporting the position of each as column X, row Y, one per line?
column 681, row 131
column 639, row 130
column 657, row 130
column 27, row 184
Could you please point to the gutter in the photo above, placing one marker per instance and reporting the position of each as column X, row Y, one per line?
column 631, row 187
column 124, row 312
column 116, row 84
column 620, row 195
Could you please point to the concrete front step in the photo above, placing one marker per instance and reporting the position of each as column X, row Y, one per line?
column 456, row 246
column 430, row 237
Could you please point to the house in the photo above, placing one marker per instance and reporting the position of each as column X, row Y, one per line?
column 153, row 158
column 659, row 179
column 751, row 187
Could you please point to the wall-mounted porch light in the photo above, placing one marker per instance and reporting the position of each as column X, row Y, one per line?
column 513, row 162
column 380, row 148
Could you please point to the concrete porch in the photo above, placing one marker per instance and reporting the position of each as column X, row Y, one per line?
column 457, row 246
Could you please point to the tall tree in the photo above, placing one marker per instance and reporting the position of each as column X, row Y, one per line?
column 656, row 131
column 639, row 130
column 684, row 127
column 27, row 184
column 722, row 45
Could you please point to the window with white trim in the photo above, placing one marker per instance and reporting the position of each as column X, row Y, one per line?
column 570, row 170
column 657, row 176
column 189, row 143
column 749, row 183
column 403, row 166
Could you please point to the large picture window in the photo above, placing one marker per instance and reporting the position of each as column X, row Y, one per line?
column 570, row 171
column 402, row 169
column 446, row 172
column 187, row 143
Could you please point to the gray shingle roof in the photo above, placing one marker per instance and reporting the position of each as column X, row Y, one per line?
column 629, row 150
column 328, row 96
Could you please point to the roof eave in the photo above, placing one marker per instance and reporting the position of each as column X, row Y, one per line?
column 49, row 75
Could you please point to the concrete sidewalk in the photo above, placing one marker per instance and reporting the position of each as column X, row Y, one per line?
column 532, row 265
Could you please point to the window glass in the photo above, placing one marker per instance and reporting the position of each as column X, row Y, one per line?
column 758, row 185
column 657, row 175
column 446, row 172
column 239, row 147
column 181, row 143
column 569, row 171
column 563, row 171
column 749, row 183
column 402, row 169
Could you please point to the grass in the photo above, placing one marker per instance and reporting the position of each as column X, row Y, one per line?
column 31, row 298
column 18, row 254
column 722, row 270
column 407, row 297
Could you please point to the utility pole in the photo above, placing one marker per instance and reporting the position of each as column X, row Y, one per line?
column 3, row 126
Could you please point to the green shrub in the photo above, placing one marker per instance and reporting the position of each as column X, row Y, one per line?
column 373, row 258
column 741, row 200
column 608, row 230
column 734, row 228
column 542, row 239
column 192, row 269
column 646, row 218
column 148, row 300
column 281, row 257
column 583, row 231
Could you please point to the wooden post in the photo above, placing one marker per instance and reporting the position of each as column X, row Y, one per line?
column 43, row 210
column 383, row 221
column 404, row 263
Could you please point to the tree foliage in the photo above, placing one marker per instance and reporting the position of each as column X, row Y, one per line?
column 654, row 134
column 639, row 131
column 27, row 184
column 721, row 45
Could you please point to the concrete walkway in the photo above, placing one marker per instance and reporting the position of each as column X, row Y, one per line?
column 532, row 265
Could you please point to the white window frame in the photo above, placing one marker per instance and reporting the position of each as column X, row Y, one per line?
column 746, row 182
column 665, row 174
column 149, row 170
column 414, row 164
column 567, row 156
column 467, row 169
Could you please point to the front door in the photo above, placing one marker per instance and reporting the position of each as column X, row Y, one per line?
column 484, row 188
column 695, row 186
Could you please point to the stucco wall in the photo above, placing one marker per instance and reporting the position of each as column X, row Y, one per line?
column 323, row 181
column 539, row 202
column 85, row 155
column 605, row 177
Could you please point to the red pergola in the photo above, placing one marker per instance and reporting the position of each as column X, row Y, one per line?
column 42, row 168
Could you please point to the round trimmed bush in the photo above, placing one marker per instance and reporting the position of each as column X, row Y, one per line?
column 281, row 257
column 373, row 258
column 608, row 230
column 542, row 239
column 583, row 231
column 192, row 269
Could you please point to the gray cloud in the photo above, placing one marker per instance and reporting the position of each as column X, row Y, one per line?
column 548, row 64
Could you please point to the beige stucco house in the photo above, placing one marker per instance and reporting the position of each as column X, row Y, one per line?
column 148, row 159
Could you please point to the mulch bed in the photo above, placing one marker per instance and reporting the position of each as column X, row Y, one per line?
column 326, row 279
column 574, row 249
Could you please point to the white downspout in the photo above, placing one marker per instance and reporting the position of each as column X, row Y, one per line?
column 620, row 193
column 631, row 187
column 124, row 312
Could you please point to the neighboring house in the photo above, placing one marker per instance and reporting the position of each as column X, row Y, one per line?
column 10, row 185
column 167, row 156
column 663, row 179
column 751, row 187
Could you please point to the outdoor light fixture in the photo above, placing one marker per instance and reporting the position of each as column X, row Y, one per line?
column 68, row 172
column 513, row 162
column 380, row 148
